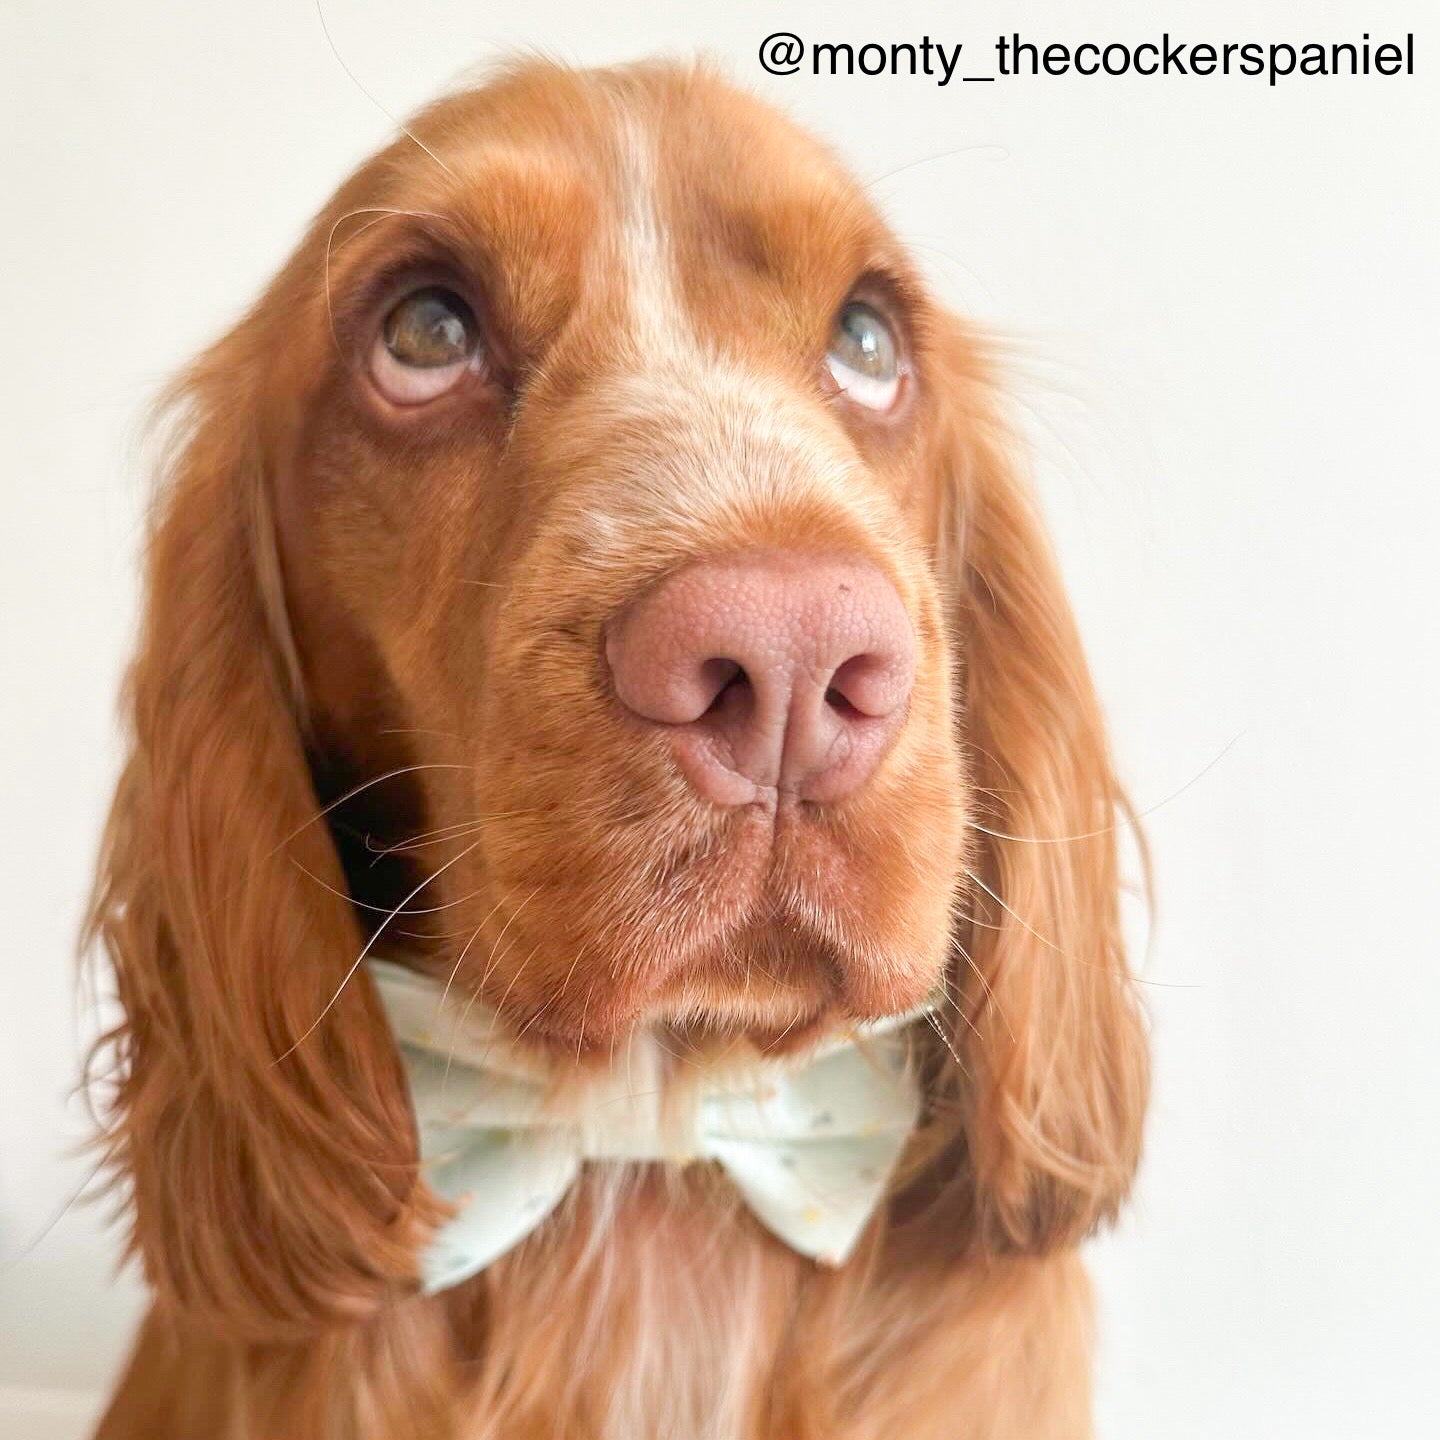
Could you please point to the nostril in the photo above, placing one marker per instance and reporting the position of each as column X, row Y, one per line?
column 720, row 679
column 869, row 686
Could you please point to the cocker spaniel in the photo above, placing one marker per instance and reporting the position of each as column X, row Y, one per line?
column 614, row 887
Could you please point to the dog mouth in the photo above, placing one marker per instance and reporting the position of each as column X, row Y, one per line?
column 757, row 938
column 771, row 923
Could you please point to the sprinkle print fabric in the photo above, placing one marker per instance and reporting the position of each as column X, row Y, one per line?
column 809, row 1144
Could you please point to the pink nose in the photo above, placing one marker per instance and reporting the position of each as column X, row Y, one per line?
column 783, row 671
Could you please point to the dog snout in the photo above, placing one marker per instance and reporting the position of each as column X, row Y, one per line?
column 775, row 675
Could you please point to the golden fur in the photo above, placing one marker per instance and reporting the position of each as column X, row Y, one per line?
column 342, row 597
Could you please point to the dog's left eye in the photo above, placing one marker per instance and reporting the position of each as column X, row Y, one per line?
column 864, row 357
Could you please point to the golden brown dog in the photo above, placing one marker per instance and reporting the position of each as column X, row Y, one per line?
column 595, row 565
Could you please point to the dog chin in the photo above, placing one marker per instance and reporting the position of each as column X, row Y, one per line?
column 774, row 1008
column 773, row 1023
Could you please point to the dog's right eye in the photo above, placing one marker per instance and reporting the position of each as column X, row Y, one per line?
column 427, row 344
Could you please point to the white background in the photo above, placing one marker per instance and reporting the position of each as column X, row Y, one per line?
column 1222, row 300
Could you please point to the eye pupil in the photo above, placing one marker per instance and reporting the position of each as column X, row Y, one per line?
column 864, row 333
column 865, row 357
column 429, row 329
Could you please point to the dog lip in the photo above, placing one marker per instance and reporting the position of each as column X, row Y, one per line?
column 750, row 933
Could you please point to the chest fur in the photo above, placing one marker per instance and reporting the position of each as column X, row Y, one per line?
column 653, row 1305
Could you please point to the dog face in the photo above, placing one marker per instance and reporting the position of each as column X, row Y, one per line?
column 628, row 403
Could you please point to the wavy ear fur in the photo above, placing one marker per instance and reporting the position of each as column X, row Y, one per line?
column 1046, row 1126
column 271, row 1163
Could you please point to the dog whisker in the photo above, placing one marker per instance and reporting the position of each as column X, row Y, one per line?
column 369, row 945
column 514, row 914
column 424, row 839
column 955, row 1002
column 945, row 1040
column 994, row 152
column 1128, row 819
column 584, row 1015
column 355, row 80
column 380, row 213
column 1021, row 922
column 445, row 992
column 401, row 909
column 794, row 1020
column 359, row 790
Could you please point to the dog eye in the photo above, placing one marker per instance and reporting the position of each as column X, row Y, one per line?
column 864, row 357
column 427, row 344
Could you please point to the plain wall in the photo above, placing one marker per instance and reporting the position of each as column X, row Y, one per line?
column 1221, row 300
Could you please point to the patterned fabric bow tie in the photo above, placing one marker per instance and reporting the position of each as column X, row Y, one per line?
column 809, row 1146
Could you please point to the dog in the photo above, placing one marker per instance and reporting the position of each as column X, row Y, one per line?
column 593, row 587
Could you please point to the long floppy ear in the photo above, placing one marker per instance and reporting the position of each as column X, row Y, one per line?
column 1049, row 1107
column 270, row 1157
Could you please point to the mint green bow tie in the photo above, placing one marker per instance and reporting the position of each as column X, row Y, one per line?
column 809, row 1146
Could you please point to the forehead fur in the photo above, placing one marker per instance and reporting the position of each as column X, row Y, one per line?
column 552, row 177
column 719, row 136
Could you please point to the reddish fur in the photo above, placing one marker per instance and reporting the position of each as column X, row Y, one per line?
column 310, row 600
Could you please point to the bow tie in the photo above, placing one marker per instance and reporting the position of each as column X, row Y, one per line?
column 809, row 1145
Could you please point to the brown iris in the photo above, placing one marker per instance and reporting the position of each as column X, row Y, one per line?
column 431, row 328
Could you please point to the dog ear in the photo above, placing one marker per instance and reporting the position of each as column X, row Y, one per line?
column 1046, row 1106
column 260, row 1116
